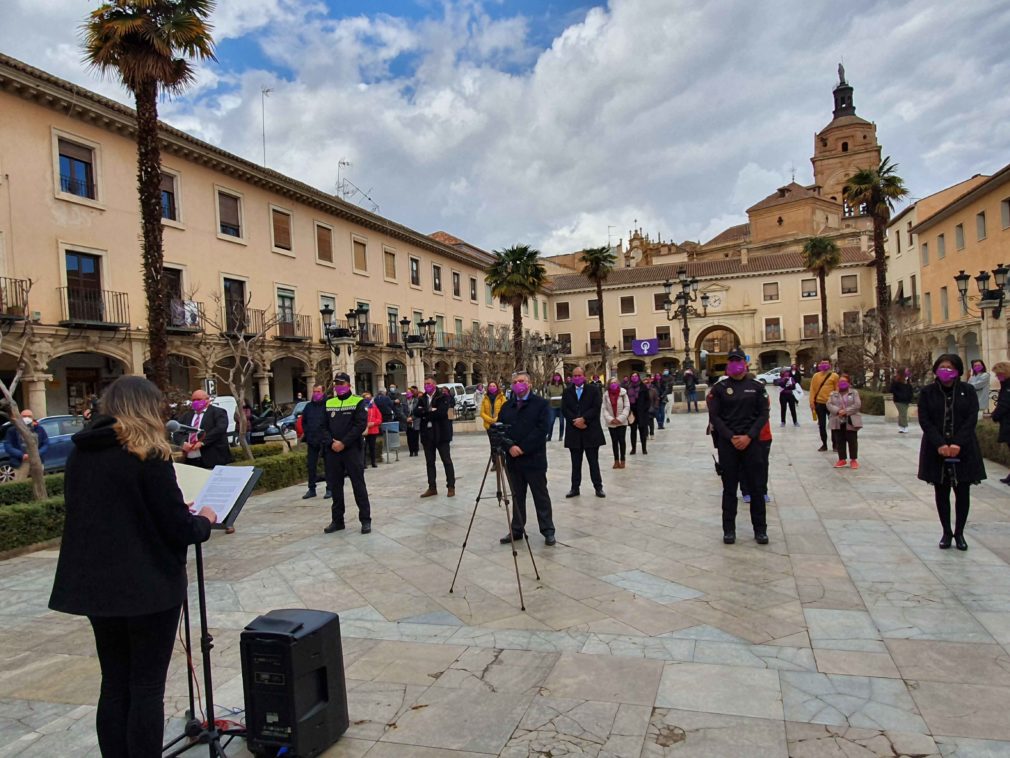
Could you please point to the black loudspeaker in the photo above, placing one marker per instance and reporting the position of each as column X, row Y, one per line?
column 293, row 679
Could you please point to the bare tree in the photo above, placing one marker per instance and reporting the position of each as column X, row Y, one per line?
column 36, row 470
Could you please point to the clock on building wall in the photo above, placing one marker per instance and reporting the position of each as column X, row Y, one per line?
column 714, row 301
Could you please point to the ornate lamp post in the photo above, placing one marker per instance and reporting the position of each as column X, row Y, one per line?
column 988, row 298
column 680, row 307
column 344, row 336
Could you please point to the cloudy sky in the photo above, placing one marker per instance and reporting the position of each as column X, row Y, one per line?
column 558, row 122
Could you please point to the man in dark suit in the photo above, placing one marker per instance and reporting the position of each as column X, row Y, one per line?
column 209, row 447
column 436, row 434
column 529, row 419
column 581, row 405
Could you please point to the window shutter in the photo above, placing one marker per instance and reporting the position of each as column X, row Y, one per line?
column 73, row 150
column 324, row 243
column 167, row 183
column 282, row 230
column 228, row 208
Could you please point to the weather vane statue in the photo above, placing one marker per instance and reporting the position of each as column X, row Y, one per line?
column 841, row 74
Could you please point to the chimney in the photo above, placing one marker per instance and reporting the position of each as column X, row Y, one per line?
column 864, row 242
column 743, row 256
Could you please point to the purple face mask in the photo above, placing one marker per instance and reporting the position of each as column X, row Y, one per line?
column 634, row 379
column 735, row 368
column 492, row 390
column 945, row 374
column 977, row 369
column 408, row 394
column 342, row 390
column 843, row 386
column 520, row 388
column 429, row 388
column 824, row 367
column 317, row 396
column 578, row 381
column 199, row 405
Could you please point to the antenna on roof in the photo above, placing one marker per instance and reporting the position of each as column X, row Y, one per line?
column 793, row 170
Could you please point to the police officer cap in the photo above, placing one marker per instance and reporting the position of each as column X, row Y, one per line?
column 340, row 376
column 736, row 354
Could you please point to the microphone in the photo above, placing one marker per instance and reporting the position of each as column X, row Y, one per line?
column 174, row 426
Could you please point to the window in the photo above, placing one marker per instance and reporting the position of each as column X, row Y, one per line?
column 77, row 169
column 1004, row 213
column 908, row 234
column 773, row 329
column 458, row 325
column 595, row 346
column 324, row 243
column 850, row 284
column 561, row 312
column 475, row 327
column 536, row 308
column 415, row 271
column 627, row 337
column 845, row 147
column 915, row 291
column 927, row 307
column 281, row 225
column 941, row 246
column 808, row 288
column 285, row 312
column 925, row 253
column 526, row 307
column 229, row 214
column 169, row 205
column 959, row 236
column 964, row 304
column 980, row 225
column 360, row 255
column 944, row 305
column 393, row 325
column 897, row 241
column 850, row 322
column 473, row 289
column 328, row 301
column 770, row 291
column 659, row 301
column 389, row 264
column 457, row 287
column 627, row 304
column 811, row 327
column 488, row 294
column 236, row 316
column 663, row 336
column 436, row 277
column 566, row 343
column 593, row 307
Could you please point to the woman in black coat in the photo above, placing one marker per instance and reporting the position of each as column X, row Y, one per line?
column 123, row 560
column 1001, row 414
column 641, row 406
column 949, row 456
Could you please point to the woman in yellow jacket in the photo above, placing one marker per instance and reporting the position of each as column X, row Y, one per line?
column 822, row 384
column 491, row 405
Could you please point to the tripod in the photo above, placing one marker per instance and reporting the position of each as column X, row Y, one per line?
column 197, row 733
column 503, row 486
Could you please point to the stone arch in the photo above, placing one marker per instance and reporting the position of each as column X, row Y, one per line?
column 769, row 359
column 366, row 374
column 478, row 373
column 78, row 376
column 461, row 372
column 663, row 362
column 711, row 346
column 443, row 371
column 631, row 365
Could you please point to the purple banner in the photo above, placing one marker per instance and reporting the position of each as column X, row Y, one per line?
column 645, row 347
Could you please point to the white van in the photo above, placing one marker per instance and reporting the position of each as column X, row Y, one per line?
column 228, row 404
column 458, row 393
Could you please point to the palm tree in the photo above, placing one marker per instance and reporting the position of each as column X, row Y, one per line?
column 875, row 191
column 598, row 263
column 515, row 276
column 147, row 44
column 821, row 256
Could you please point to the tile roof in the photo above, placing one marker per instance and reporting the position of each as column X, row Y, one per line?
column 722, row 268
column 732, row 234
column 445, row 238
column 788, row 194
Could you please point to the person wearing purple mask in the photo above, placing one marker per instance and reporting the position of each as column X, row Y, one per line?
column 787, row 384
column 313, row 429
column 412, row 422
column 436, row 435
column 208, row 447
column 1001, row 413
column 581, row 405
column 822, row 384
column 980, row 381
column 616, row 410
column 845, row 422
column 346, row 422
column 949, row 454
column 641, row 408
column 738, row 410
column 553, row 392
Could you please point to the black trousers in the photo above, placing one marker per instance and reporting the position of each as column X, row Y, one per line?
column 639, row 430
column 962, row 503
column 368, row 451
column 745, row 485
column 618, row 437
column 413, row 440
column 744, row 464
column 312, row 461
column 429, row 459
column 536, row 481
column 134, row 653
column 593, row 456
column 822, row 421
column 845, row 441
column 790, row 402
column 347, row 463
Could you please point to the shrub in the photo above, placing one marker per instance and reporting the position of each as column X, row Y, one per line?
column 13, row 493
column 24, row 524
column 265, row 450
column 281, row 471
column 872, row 402
column 986, row 432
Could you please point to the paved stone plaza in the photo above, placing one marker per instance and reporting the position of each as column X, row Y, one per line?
column 849, row 635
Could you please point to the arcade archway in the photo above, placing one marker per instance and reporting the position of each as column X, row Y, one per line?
column 711, row 348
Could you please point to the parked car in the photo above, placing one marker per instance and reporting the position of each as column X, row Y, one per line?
column 288, row 422
column 60, row 429
column 770, row 376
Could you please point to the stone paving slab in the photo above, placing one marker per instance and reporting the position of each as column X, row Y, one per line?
column 849, row 635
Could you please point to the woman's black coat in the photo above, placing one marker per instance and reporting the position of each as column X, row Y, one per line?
column 126, row 533
column 1001, row 415
column 931, row 403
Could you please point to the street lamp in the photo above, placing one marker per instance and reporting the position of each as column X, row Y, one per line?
column 337, row 336
column 680, row 305
column 985, row 295
column 423, row 340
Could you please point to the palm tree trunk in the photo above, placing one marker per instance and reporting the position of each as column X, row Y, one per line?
column 517, row 331
column 603, row 332
column 149, row 191
column 883, row 297
column 824, row 311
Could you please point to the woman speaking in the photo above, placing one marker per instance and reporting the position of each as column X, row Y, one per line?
column 123, row 560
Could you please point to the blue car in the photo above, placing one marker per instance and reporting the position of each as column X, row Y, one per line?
column 60, row 429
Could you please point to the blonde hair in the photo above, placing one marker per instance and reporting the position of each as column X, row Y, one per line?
column 1001, row 368
column 136, row 405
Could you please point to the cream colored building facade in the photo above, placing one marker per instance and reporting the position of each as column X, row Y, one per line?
column 235, row 235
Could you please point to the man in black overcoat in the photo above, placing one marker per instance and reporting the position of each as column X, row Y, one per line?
column 528, row 417
column 436, row 434
column 581, row 405
column 208, row 447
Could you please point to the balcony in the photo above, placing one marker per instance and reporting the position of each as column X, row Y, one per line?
column 372, row 334
column 80, row 187
column 773, row 335
column 13, row 299
column 239, row 321
column 184, row 317
column 93, row 309
column 294, row 328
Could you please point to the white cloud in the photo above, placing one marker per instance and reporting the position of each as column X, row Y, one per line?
column 679, row 114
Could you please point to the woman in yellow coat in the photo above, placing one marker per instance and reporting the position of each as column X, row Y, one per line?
column 491, row 405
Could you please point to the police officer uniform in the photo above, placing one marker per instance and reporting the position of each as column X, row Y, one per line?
column 346, row 420
column 740, row 407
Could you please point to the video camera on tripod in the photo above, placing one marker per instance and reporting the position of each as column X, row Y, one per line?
column 500, row 436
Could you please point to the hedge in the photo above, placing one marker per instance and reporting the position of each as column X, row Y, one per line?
column 265, row 450
column 13, row 493
column 24, row 524
column 998, row 452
